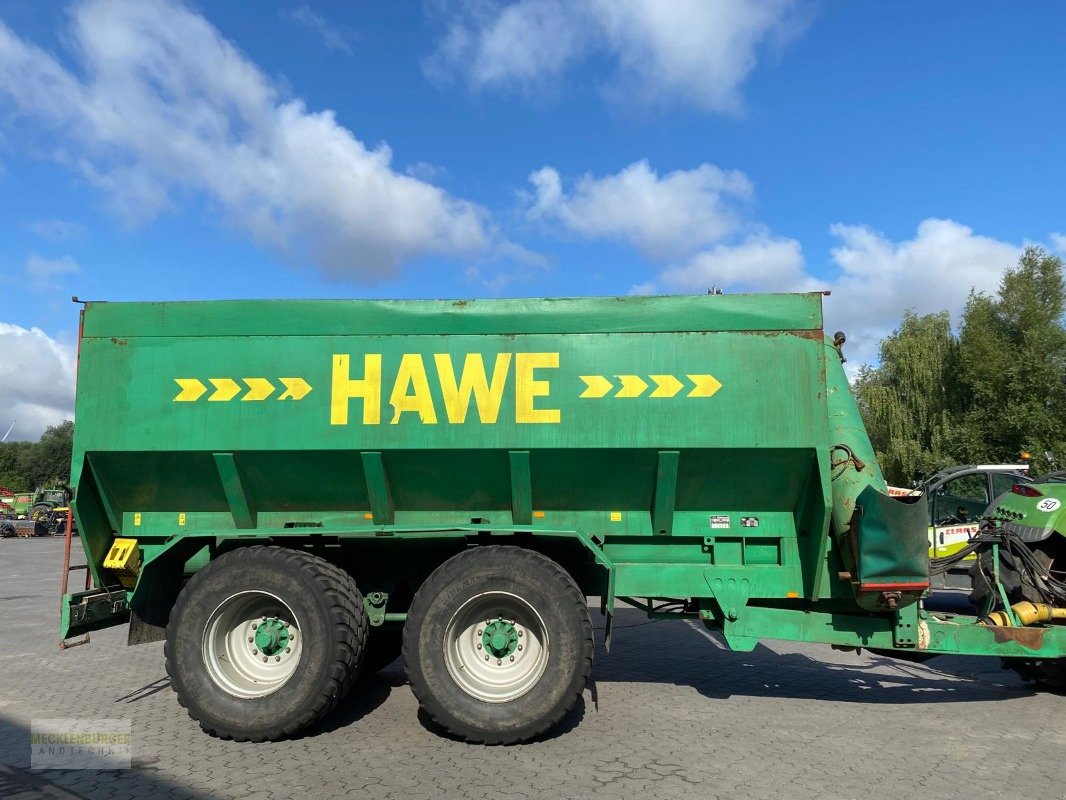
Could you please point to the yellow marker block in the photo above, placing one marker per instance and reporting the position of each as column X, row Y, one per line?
column 124, row 558
column 616, row 516
column 122, row 555
column 368, row 515
column 181, row 519
column 538, row 515
column 137, row 519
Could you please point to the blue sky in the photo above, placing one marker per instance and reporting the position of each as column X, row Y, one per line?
column 897, row 155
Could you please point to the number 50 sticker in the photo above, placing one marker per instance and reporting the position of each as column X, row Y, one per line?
column 1049, row 504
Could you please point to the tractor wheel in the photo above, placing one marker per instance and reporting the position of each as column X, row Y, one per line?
column 264, row 641
column 6, row 530
column 498, row 644
column 384, row 645
column 1049, row 674
column 40, row 511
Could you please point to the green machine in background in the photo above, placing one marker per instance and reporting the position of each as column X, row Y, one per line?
column 289, row 492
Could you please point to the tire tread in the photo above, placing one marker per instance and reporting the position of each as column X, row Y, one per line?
column 346, row 607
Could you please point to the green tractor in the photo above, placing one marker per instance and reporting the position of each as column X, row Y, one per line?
column 42, row 504
column 1028, row 526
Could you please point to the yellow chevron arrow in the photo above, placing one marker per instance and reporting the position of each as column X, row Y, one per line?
column 632, row 386
column 596, row 386
column 666, row 385
column 225, row 389
column 295, row 388
column 704, row 385
column 191, row 389
column 258, row 389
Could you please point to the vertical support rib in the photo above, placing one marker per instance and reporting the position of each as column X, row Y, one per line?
column 377, row 487
column 662, row 511
column 102, row 497
column 236, row 497
column 521, row 488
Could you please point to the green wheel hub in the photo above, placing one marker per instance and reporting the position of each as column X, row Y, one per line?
column 500, row 638
column 272, row 636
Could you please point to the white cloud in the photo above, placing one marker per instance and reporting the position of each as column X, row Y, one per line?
column 333, row 37
column 645, row 288
column 162, row 104
column 37, row 376
column 879, row 278
column 57, row 230
column 1058, row 241
column 46, row 273
column 664, row 217
column 425, row 171
column 691, row 51
column 760, row 262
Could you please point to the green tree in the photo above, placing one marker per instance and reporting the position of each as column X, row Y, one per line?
column 12, row 457
column 47, row 463
column 1012, row 350
column 908, row 401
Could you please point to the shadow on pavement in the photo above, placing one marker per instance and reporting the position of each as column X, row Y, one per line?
column 684, row 653
column 571, row 719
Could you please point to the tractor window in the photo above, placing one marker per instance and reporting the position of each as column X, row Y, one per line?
column 961, row 500
column 1002, row 483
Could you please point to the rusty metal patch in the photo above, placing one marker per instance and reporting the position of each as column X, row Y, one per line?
column 1029, row 638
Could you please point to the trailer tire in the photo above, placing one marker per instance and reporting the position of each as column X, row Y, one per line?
column 310, row 651
column 537, row 633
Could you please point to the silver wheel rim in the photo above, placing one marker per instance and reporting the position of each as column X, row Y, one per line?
column 489, row 674
column 236, row 661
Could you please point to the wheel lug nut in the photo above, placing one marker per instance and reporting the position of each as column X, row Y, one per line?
column 277, row 658
column 255, row 652
column 288, row 649
column 479, row 647
column 479, row 633
column 251, row 638
column 254, row 626
column 498, row 662
column 265, row 658
column 512, row 658
column 519, row 647
column 486, row 658
column 520, row 633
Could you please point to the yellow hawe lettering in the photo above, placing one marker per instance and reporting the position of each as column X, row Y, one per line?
column 344, row 389
column 473, row 382
column 527, row 388
column 411, row 377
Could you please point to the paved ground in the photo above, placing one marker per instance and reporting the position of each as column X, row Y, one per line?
column 670, row 714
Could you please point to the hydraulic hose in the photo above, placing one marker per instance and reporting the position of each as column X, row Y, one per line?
column 1027, row 614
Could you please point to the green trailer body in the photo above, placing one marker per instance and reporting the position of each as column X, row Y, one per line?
column 703, row 451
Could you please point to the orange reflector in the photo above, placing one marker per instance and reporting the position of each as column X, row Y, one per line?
column 538, row 514
column 792, row 594
column 368, row 515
